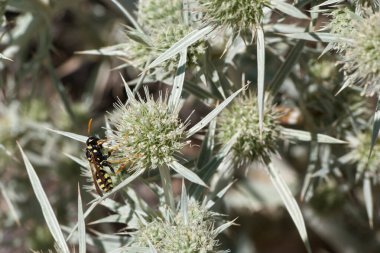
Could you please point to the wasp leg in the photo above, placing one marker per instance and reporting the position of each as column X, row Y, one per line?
column 121, row 168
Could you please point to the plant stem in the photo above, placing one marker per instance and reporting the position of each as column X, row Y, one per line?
column 167, row 186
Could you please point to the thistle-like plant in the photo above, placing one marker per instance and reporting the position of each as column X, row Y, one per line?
column 251, row 145
column 159, row 25
column 193, row 230
column 360, row 60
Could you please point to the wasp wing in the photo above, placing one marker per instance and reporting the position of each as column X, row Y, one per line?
column 94, row 171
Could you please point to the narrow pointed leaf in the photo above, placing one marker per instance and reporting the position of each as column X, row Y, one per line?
column 81, row 225
column 197, row 91
column 95, row 202
column 47, row 210
column 185, row 42
column 210, row 203
column 186, row 173
column 287, row 66
column 11, row 207
column 152, row 249
column 317, row 36
column 375, row 128
column 368, row 198
column 178, row 81
column 81, row 162
column 289, row 202
column 299, row 135
column 260, row 75
column 76, row 137
column 184, row 203
column 329, row 2
column 224, row 226
column 167, row 186
column 128, row 16
column 201, row 124
column 207, row 147
column 288, row 9
column 127, row 89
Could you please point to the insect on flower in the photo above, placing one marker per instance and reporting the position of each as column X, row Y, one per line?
column 98, row 160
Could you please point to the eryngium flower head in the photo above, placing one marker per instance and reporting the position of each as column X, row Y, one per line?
column 239, row 15
column 147, row 134
column 360, row 145
column 163, row 24
column 361, row 58
column 171, row 234
column 153, row 13
column 242, row 116
column 341, row 24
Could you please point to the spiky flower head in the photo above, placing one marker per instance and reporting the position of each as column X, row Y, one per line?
column 153, row 13
column 359, row 145
column 164, row 25
column 242, row 116
column 361, row 59
column 239, row 15
column 147, row 134
column 173, row 233
column 341, row 24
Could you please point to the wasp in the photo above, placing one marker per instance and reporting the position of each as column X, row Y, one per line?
column 98, row 160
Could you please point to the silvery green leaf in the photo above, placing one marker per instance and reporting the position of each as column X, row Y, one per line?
column 201, row 124
column 167, row 186
column 289, row 202
column 131, row 250
column 375, row 128
column 5, row 58
column 127, row 89
column 186, row 173
column 96, row 201
column 113, row 218
column 299, row 135
column 329, row 2
column 76, row 137
column 223, row 227
column 79, row 161
column 367, row 191
column 196, row 90
column 47, row 210
column 317, row 36
column 115, row 50
column 128, row 16
column 210, row 203
column 184, row 203
column 11, row 207
column 288, row 9
column 176, row 92
column 185, row 42
column 286, row 66
column 260, row 75
column 81, row 225
column 207, row 147
column 151, row 248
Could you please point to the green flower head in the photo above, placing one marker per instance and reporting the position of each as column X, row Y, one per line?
column 360, row 51
column 164, row 25
column 147, row 134
column 359, row 146
column 239, row 15
column 242, row 116
column 173, row 233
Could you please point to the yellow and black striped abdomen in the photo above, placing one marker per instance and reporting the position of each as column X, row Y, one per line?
column 104, row 180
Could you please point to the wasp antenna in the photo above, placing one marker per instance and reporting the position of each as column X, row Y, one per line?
column 89, row 126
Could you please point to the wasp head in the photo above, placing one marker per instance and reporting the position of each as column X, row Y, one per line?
column 92, row 141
